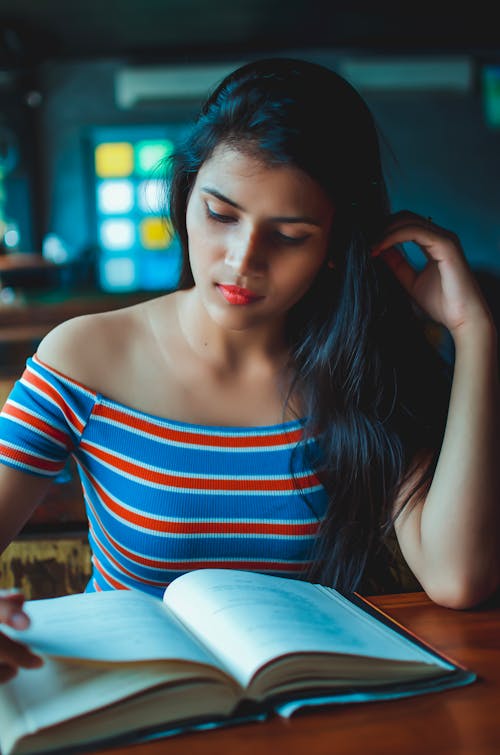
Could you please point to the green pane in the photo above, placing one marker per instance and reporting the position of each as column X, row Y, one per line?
column 491, row 95
column 149, row 153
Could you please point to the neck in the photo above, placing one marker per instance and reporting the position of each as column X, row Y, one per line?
column 230, row 349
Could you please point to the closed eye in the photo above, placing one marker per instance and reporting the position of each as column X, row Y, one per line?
column 217, row 216
column 292, row 240
column 278, row 236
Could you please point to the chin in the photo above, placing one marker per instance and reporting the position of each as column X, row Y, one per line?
column 235, row 321
column 234, row 317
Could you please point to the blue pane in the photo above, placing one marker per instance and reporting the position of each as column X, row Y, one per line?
column 160, row 270
column 118, row 273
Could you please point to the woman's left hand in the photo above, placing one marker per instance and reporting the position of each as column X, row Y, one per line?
column 445, row 289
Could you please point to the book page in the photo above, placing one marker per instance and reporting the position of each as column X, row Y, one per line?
column 169, row 709
column 122, row 625
column 60, row 690
column 249, row 619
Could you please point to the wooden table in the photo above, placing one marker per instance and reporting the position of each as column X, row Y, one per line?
column 455, row 722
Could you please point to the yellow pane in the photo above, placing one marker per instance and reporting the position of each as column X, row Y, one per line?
column 113, row 159
column 156, row 233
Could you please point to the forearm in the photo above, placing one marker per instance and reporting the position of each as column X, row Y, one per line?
column 460, row 519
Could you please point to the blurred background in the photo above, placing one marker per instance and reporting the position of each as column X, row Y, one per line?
column 94, row 94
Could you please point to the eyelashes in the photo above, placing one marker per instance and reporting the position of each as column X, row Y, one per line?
column 216, row 216
column 282, row 237
column 291, row 240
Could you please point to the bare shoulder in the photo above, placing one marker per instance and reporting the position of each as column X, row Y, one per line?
column 82, row 347
column 92, row 348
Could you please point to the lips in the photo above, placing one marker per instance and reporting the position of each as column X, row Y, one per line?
column 237, row 295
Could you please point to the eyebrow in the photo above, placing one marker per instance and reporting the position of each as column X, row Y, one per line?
column 299, row 219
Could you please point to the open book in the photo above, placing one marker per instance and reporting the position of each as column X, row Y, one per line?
column 222, row 646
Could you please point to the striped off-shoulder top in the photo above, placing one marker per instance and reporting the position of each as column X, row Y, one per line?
column 164, row 497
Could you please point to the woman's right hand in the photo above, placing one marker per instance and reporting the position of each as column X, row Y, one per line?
column 14, row 654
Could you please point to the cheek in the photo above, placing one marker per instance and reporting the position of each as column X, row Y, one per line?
column 202, row 241
column 302, row 271
column 294, row 280
column 197, row 249
column 192, row 223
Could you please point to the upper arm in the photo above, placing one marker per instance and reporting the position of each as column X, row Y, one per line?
column 40, row 425
column 20, row 494
column 407, row 510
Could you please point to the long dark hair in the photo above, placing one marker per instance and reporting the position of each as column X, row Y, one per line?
column 373, row 389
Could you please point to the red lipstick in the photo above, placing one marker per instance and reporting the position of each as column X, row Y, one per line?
column 237, row 295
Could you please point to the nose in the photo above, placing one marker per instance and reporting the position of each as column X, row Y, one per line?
column 244, row 253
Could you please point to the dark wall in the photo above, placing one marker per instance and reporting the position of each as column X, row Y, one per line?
column 449, row 165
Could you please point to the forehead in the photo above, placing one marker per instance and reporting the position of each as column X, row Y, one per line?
column 246, row 176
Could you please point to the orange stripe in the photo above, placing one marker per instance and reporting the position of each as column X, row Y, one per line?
column 114, row 583
column 20, row 414
column 46, row 366
column 193, row 483
column 182, row 566
column 154, row 563
column 45, row 387
column 143, row 560
column 191, row 528
column 120, row 568
column 134, row 519
column 201, row 439
column 29, row 460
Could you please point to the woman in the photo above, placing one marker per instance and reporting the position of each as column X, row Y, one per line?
column 283, row 411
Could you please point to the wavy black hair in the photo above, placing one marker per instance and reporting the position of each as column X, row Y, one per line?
column 374, row 390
